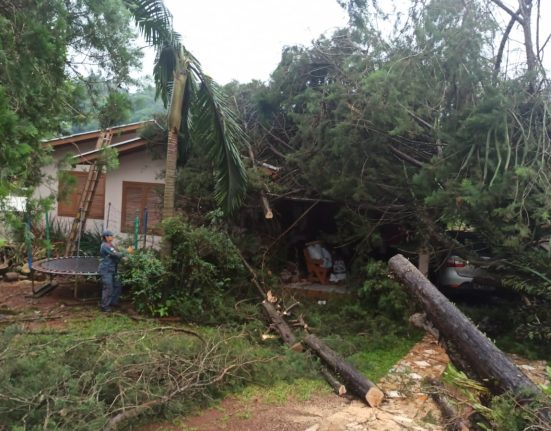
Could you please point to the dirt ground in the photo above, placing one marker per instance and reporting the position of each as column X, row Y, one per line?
column 69, row 300
column 406, row 406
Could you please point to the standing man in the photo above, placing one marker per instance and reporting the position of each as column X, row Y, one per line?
column 108, row 265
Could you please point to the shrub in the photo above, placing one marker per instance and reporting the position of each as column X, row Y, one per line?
column 194, row 281
column 203, row 266
column 382, row 292
column 144, row 273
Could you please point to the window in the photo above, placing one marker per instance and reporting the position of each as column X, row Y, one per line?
column 68, row 205
column 135, row 198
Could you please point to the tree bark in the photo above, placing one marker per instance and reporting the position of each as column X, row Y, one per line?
column 453, row 420
column 282, row 327
column 489, row 364
column 268, row 214
column 355, row 381
column 526, row 10
column 504, row 39
column 423, row 260
column 523, row 17
column 174, row 120
column 337, row 386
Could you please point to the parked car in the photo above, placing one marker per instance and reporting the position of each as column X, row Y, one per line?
column 458, row 273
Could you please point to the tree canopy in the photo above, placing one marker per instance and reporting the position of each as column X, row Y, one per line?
column 424, row 126
column 49, row 51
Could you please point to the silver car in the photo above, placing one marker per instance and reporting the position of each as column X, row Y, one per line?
column 458, row 273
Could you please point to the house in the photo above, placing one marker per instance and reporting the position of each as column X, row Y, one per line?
column 121, row 194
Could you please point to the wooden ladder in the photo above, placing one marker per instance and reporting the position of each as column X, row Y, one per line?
column 87, row 195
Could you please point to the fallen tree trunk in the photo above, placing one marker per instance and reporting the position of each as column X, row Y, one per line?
column 337, row 386
column 453, row 420
column 355, row 381
column 489, row 364
column 282, row 327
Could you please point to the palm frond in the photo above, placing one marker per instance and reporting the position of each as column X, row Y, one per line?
column 216, row 126
column 154, row 22
column 215, row 122
column 166, row 62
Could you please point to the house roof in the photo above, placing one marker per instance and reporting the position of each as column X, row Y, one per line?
column 127, row 146
column 120, row 133
column 125, row 139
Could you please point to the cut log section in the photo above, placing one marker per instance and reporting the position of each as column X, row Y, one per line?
column 282, row 327
column 355, row 381
column 489, row 364
column 337, row 386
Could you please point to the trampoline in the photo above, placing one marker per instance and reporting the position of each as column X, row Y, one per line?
column 86, row 266
column 75, row 265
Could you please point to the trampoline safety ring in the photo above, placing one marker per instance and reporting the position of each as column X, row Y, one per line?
column 68, row 266
column 75, row 265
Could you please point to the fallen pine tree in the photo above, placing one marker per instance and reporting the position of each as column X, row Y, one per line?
column 355, row 382
column 483, row 360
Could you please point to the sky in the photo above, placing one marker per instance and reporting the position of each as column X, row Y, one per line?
column 243, row 39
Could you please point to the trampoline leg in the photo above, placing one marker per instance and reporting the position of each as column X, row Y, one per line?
column 46, row 288
column 75, row 291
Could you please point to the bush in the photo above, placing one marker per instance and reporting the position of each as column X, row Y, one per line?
column 144, row 273
column 194, row 281
column 203, row 267
column 382, row 292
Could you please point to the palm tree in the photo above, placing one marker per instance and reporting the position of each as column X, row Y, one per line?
column 198, row 108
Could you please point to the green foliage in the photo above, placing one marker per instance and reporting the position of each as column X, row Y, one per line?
column 195, row 283
column 503, row 412
column 203, row 267
column 515, row 327
column 109, row 158
column 39, row 40
column 80, row 379
column 415, row 130
column 382, row 293
column 83, row 378
column 144, row 273
column 116, row 110
column 103, row 105
column 507, row 414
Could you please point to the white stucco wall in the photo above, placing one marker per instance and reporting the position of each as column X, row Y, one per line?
column 136, row 166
